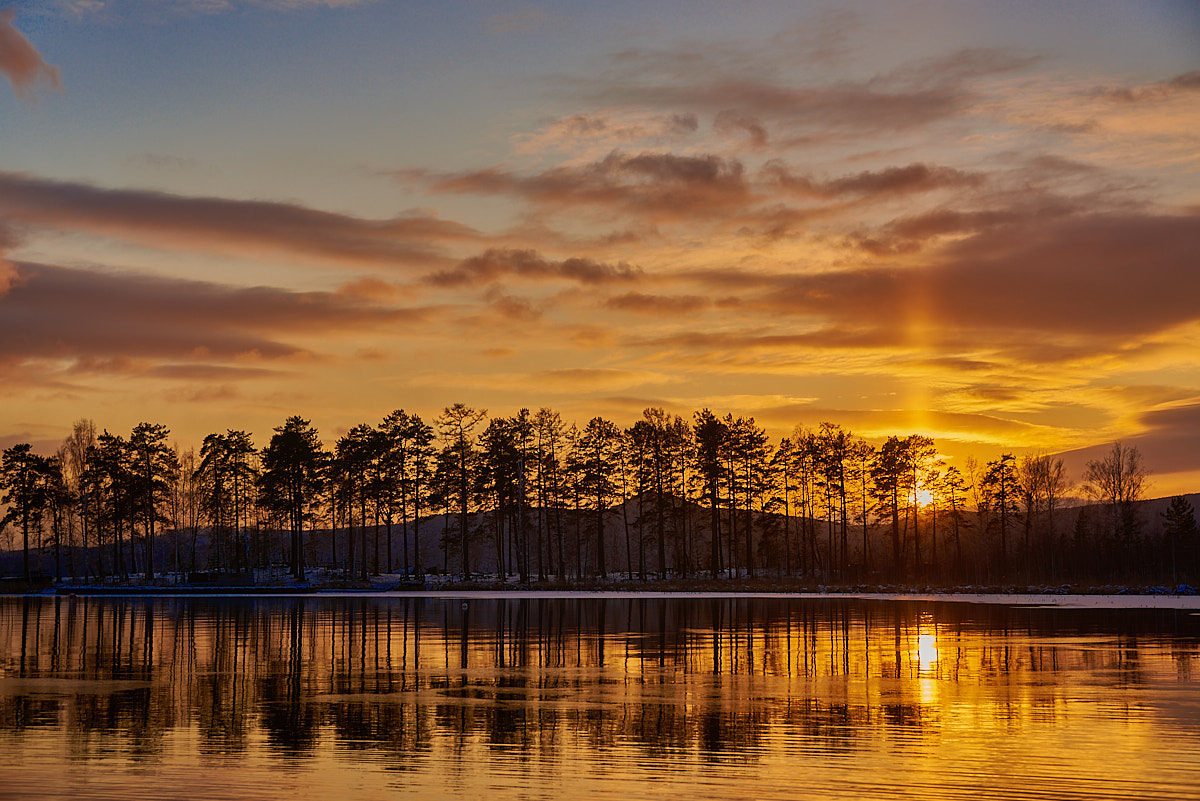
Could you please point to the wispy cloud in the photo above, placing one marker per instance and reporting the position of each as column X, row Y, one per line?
column 530, row 265
column 220, row 225
column 654, row 186
column 20, row 62
column 1187, row 82
column 595, row 133
column 751, row 92
column 644, row 303
column 889, row 181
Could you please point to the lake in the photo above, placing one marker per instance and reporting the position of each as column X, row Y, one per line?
column 364, row 697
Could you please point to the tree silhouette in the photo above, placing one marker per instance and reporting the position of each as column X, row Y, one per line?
column 356, row 453
column 112, row 464
column 1118, row 479
column 524, row 480
column 1042, row 483
column 59, row 502
column 1179, row 527
column 501, row 481
column 832, row 445
column 215, row 477
column 291, row 479
column 749, row 454
column 598, row 447
column 23, row 480
column 710, row 435
column 243, row 473
column 920, row 461
column 953, row 492
column 548, row 432
column 860, row 457
column 154, row 468
column 781, row 469
column 888, row 475
column 186, row 498
column 404, row 466
column 456, row 426
column 74, row 454
column 1001, row 491
column 651, row 439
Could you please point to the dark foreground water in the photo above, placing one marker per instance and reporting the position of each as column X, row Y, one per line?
column 362, row 698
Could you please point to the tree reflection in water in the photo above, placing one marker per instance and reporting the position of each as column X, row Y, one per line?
column 534, row 680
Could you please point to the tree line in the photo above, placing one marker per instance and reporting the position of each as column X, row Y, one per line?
column 532, row 497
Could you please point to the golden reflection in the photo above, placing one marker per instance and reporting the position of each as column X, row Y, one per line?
column 927, row 652
column 427, row 689
column 926, row 657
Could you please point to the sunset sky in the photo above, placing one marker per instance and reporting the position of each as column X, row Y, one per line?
column 977, row 221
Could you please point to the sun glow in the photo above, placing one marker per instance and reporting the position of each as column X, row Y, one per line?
column 927, row 650
column 924, row 497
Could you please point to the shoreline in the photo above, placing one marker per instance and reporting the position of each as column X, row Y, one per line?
column 1103, row 597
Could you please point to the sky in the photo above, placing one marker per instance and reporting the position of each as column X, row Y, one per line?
column 976, row 221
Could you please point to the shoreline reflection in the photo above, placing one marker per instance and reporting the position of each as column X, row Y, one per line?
column 544, row 686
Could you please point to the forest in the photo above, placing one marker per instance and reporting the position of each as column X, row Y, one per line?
column 533, row 500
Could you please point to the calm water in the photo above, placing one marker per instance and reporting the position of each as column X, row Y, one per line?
column 368, row 697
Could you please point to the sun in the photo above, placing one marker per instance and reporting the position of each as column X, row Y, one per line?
column 924, row 497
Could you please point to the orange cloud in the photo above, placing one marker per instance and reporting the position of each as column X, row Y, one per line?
column 889, row 181
column 642, row 303
column 528, row 264
column 20, row 62
column 734, row 122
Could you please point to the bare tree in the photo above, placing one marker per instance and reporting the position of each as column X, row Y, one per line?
column 186, row 492
column 1043, row 482
column 1118, row 480
column 74, row 457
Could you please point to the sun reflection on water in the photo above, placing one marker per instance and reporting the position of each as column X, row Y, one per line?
column 927, row 651
column 594, row 698
column 927, row 657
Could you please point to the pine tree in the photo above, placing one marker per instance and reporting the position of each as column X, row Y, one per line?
column 291, row 479
column 1179, row 527
column 23, row 480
